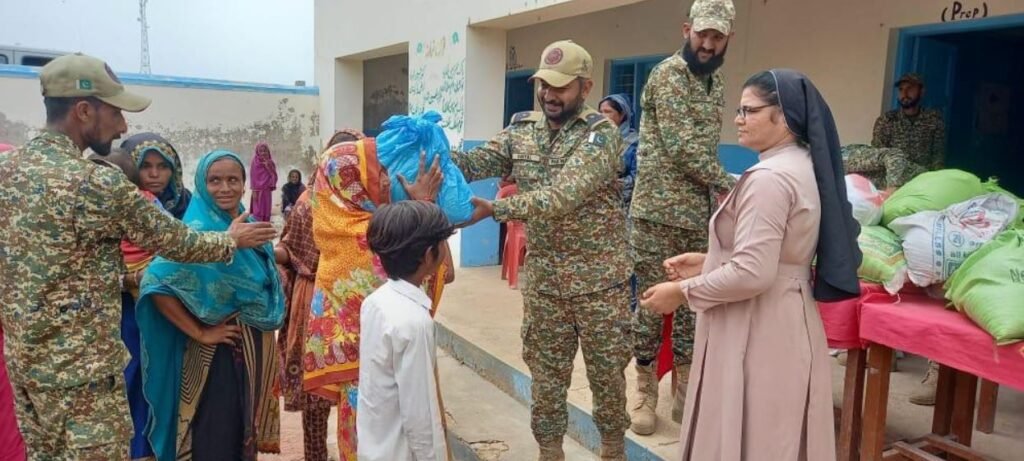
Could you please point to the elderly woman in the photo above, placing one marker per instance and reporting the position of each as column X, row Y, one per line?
column 760, row 385
column 209, row 359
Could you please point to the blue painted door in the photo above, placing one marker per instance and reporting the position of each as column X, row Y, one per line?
column 479, row 245
column 936, row 61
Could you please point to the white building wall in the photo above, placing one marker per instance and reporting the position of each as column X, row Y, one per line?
column 843, row 46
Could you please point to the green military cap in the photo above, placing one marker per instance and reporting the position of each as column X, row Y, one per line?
column 712, row 14
column 77, row 76
column 562, row 62
column 911, row 77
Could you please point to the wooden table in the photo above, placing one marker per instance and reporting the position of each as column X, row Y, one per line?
column 919, row 325
column 842, row 328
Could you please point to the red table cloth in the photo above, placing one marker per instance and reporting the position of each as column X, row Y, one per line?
column 842, row 319
column 921, row 325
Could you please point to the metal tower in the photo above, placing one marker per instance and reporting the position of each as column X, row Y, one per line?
column 144, row 65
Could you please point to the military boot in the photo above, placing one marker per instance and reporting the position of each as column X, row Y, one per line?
column 644, row 420
column 925, row 392
column 679, row 393
column 613, row 448
column 551, row 451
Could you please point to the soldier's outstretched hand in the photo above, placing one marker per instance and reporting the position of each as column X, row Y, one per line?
column 427, row 183
column 250, row 235
column 482, row 209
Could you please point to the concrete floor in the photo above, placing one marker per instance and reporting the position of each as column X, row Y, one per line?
column 480, row 307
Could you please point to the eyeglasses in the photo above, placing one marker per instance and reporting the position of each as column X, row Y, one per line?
column 744, row 111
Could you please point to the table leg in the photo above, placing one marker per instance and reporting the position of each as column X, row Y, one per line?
column 987, row 397
column 876, row 398
column 853, row 401
column 942, row 415
column 964, row 396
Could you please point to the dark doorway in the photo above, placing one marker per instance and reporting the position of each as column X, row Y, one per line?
column 974, row 75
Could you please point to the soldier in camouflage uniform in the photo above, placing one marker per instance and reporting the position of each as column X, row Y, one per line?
column 677, row 177
column 920, row 133
column 565, row 160
column 63, row 221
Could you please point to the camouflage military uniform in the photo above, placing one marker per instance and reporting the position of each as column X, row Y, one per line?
column 677, row 174
column 578, row 266
column 63, row 220
column 921, row 137
column 885, row 167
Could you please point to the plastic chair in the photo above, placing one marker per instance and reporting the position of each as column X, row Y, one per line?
column 514, row 250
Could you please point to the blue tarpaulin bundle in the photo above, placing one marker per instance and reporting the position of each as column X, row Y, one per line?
column 398, row 149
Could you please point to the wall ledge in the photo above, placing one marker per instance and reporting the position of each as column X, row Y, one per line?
column 16, row 71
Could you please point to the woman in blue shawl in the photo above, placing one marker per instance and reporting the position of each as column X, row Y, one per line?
column 160, row 174
column 208, row 349
column 617, row 109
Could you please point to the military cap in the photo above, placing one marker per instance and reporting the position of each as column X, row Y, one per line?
column 562, row 62
column 78, row 75
column 911, row 77
column 712, row 14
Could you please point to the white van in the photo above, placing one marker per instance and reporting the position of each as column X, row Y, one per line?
column 27, row 56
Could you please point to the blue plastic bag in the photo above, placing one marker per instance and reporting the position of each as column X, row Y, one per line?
column 398, row 149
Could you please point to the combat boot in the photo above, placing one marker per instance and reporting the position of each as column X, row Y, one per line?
column 679, row 398
column 644, row 420
column 551, row 451
column 925, row 392
column 613, row 448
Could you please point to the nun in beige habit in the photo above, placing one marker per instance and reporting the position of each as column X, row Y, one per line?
column 760, row 386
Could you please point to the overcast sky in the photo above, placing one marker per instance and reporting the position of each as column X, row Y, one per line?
column 267, row 41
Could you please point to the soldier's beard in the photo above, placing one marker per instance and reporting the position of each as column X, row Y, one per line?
column 702, row 68
column 568, row 111
column 908, row 103
column 97, row 146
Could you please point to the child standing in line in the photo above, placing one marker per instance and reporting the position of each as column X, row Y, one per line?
column 399, row 416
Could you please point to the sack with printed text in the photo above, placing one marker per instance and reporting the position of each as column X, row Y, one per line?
column 936, row 243
column 989, row 287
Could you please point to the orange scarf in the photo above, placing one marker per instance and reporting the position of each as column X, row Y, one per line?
column 345, row 194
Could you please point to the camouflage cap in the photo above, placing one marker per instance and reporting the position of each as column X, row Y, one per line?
column 712, row 14
column 562, row 62
column 911, row 77
column 77, row 75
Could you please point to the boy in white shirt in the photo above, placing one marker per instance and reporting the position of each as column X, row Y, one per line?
column 398, row 417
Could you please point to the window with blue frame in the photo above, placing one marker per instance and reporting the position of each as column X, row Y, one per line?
column 629, row 75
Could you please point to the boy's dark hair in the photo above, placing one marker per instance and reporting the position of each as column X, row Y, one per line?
column 400, row 234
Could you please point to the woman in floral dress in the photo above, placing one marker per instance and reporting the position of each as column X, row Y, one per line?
column 350, row 185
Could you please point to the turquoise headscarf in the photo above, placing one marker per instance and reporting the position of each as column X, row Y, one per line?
column 248, row 286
